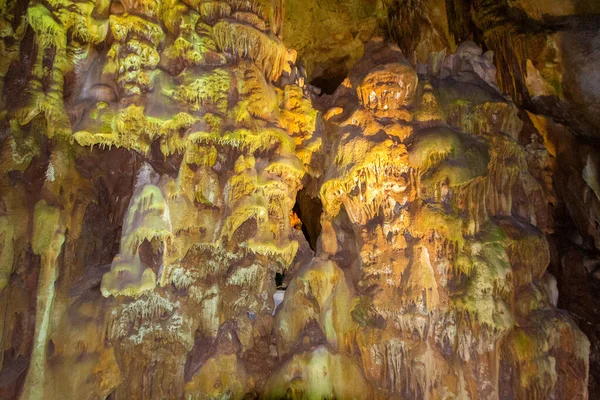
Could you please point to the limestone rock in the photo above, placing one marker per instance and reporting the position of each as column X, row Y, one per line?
column 166, row 166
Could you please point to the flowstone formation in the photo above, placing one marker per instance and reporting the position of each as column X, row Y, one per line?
column 154, row 151
column 159, row 159
column 430, row 275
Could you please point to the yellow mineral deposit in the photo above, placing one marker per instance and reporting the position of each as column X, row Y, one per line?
column 8, row 251
column 47, row 241
column 184, row 214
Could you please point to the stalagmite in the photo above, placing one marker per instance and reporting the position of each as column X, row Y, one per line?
column 48, row 239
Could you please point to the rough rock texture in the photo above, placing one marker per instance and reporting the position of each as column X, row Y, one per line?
column 330, row 35
column 433, row 232
column 546, row 59
column 150, row 168
column 544, row 55
column 161, row 160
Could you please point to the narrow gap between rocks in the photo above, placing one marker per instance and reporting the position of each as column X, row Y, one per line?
column 308, row 210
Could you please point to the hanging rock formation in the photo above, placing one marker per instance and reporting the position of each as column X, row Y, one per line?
column 160, row 158
column 432, row 258
column 165, row 182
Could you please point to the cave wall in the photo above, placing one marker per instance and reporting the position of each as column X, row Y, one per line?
column 159, row 159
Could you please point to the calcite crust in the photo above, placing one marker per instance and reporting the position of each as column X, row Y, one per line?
column 162, row 162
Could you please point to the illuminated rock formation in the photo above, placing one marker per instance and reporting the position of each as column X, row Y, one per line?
column 189, row 88
column 435, row 271
column 160, row 160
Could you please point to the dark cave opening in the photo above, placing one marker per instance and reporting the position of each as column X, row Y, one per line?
column 327, row 84
column 309, row 210
column 330, row 76
column 279, row 279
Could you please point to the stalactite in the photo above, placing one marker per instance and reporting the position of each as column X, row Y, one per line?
column 150, row 211
column 246, row 42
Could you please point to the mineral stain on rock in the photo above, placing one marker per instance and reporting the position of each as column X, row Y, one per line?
column 184, row 214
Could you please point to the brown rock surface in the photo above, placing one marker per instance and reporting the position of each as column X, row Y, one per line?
column 166, row 167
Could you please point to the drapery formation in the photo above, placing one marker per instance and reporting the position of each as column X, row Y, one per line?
column 152, row 153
